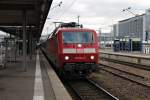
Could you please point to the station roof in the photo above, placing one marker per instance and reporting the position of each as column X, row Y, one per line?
column 11, row 15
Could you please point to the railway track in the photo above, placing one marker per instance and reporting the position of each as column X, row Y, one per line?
column 127, row 76
column 144, row 67
column 122, row 71
column 88, row 90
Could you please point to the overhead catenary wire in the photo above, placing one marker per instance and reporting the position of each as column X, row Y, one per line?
column 58, row 5
column 63, row 12
column 66, row 10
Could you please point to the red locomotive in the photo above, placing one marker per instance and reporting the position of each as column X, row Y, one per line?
column 72, row 49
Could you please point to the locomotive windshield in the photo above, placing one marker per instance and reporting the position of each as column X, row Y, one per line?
column 78, row 37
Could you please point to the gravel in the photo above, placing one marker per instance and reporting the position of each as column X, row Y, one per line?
column 122, row 89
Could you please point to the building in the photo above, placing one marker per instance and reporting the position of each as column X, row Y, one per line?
column 115, row 31
column 105, row 40
column 136, row 28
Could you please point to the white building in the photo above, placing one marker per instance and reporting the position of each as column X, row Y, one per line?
column 136, row 28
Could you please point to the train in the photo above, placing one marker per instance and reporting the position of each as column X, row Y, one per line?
column 72, row 49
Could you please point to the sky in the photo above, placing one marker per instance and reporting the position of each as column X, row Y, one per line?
column 94, row 14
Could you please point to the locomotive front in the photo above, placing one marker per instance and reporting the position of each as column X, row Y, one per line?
column 79, row 50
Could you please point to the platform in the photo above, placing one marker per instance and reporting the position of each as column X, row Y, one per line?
column 38, row 82
column 129, row 57
column 138, row 54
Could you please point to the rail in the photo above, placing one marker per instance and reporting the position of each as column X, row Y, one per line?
column 123, row 76
column 86, row 89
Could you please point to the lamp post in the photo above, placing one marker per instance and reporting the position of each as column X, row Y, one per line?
column 111, row 35
column 99, row 36
column 128, row 10
column 78, row 19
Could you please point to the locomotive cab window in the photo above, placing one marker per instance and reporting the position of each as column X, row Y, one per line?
column 78, row 37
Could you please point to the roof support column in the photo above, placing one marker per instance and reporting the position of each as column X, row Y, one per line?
column 30, row 45
column 24, row 40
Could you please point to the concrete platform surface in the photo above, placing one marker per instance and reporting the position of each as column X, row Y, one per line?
column 135, row 54
column 33, row 84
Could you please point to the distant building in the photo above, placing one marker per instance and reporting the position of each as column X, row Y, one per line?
column 105, row 37
column 105, row 40
column 134, row 32
column 115, row 30
column 135, row 27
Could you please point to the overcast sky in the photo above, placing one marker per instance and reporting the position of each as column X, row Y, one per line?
column 93, row 14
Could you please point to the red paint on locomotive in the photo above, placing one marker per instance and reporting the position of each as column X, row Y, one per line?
column 81, row 48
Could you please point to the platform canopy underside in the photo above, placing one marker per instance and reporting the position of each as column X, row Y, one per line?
column 11, row 16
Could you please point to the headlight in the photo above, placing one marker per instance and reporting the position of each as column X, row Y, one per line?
column 79, row 45
column 66, row 58
column 92, row 57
